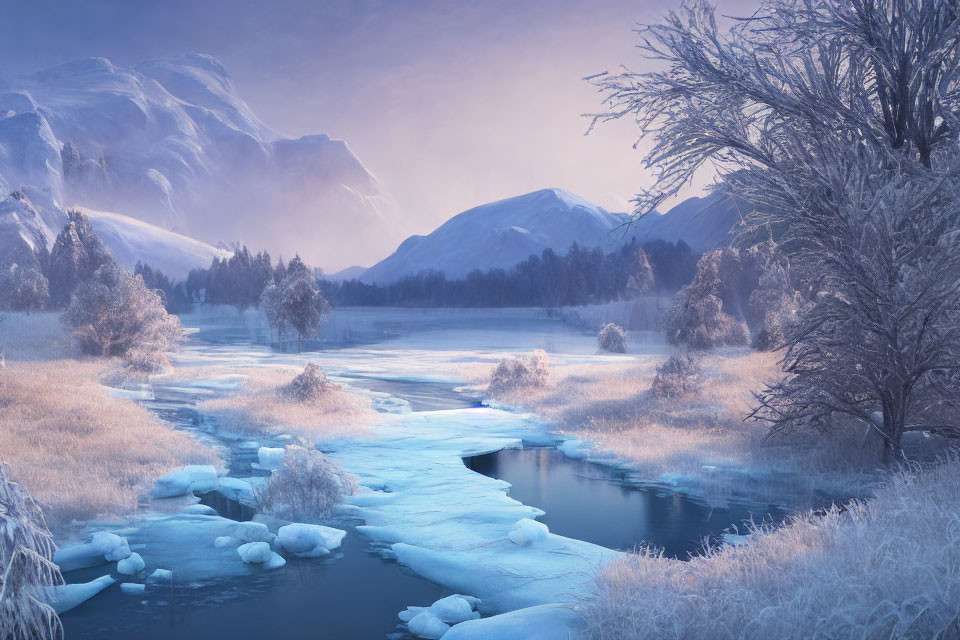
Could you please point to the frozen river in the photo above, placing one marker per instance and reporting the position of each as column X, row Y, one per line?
column 425, row 524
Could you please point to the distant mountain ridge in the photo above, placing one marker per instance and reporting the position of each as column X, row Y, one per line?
column 171, row 143
column 501, row 234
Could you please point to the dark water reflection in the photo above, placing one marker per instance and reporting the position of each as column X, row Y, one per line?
column 355, row 594
column 591, row 502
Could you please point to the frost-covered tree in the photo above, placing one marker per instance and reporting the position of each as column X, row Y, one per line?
column 271, row 302
column 304, row 307
column 23, row 288
column 612, row 338
column 77, row 252
column 115, row 314
column 839, row 120
column 696, row 318
column 26, row 566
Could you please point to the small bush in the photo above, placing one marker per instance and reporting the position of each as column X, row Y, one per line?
column 26, row 566
column 308, row 386
column 306, row 487
column 678, row 375
column 612, row 338
column 513, row 373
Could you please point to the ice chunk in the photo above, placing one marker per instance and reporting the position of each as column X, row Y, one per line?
column 252, row 532
column 64, row 597
column 160, row 578
column 309, row 540
column 103, row 547
column 131, row 564
column 201, row 510
column 407, row 614
column 527, row 532
column 275, row 562
column 271, row 457
column 254, row 552
column 114, row 547
column 225, row 541
column 735, row 539
column 133, row 589
column 452, row 609
column 197, row 478
column 428, row 626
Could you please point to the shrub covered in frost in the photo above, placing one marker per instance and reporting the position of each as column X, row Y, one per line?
column 308, row 386
column 612, row 338
column 26, row 565
column 513, row 373
column 114, row 314
column 680, row 374
column 305, row 487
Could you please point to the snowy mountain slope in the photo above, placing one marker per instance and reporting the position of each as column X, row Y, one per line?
column 132, row 240
column 23, row 229
column 703, row 223
column 171, row 143
column 500, row 234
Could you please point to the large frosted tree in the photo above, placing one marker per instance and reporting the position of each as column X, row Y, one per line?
column 838, row 119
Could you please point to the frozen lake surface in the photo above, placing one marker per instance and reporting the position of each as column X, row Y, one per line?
column 424, row 525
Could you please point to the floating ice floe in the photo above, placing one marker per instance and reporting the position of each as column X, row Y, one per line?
column 133, row 589
column 254, row 552
column 131, row 565
column 527, row 532
column 309, row 540
column 63, row 597
column 103, row 547
column 271, row 457
column 194, row 478
column 160, row 578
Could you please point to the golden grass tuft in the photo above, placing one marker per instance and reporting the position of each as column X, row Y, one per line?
column 261, row 408
column 77, row 450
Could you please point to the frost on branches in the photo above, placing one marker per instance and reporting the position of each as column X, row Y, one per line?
column 839, row 121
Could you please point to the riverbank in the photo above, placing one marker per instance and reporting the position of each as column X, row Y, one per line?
column 702, row 440
column 886, row 568
column 79, row 451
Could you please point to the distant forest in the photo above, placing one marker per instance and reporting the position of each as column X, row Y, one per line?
column 581, row 276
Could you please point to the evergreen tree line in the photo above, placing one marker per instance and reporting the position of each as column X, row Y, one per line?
column 582, row 276
column 42, row 279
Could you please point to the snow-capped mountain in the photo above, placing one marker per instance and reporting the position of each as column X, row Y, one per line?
column 500, row 234
column 504, row 233
column 169, row 142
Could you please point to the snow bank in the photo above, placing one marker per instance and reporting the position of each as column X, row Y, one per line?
column 194, row 478
column 309, row 540
column 544, row 622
